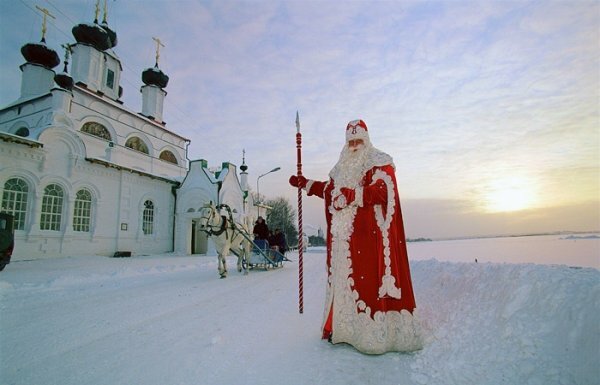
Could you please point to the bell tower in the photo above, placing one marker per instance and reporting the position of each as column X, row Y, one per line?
column 38, row 76
column 153, row 93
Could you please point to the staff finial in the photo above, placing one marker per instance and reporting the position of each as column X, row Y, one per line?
column 46, row 13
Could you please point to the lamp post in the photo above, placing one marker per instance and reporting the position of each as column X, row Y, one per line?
column 257, row 186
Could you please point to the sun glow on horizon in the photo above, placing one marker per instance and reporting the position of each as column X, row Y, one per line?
column 509, row 195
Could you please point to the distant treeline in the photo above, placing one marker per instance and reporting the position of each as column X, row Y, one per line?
column 318, row 241
column 418, row 239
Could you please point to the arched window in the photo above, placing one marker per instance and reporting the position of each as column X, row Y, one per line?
column 82, row 213
column 14, row 201
column 22, row 132
column 96, row 129
column 52, row 206
column 168, row 156
column 148, row 218
column 137, row 144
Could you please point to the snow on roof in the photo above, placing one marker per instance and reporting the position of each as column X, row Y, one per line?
column 7, row 137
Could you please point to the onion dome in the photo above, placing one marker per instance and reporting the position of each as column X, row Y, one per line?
column 112, row 35
column 243, row 167
column 64, row 81
column 39, row 53
column 94, row 35
column 154, row 76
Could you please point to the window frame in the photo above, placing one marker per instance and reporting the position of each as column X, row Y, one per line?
column 14, row 206
column 82, row 211
column 51, row 213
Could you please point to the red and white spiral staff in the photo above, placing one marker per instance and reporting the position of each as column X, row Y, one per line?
column 300, row 233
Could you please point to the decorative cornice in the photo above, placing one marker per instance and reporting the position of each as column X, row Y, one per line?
column 5, row 136
column 123, row 168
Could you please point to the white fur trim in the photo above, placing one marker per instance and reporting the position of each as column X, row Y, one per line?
column 388, row 287
column 358, row 197
column 358, row 133
column 309, row 184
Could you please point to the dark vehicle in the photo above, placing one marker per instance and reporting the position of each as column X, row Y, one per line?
column 7, row 239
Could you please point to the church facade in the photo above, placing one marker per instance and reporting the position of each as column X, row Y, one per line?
column 84, row 175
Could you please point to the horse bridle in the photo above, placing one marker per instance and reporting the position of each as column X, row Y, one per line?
column 210, row 231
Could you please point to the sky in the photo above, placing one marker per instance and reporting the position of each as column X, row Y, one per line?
column 490, row 109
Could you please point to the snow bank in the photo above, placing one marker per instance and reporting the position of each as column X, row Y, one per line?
column 507, row 323
column 169, row 319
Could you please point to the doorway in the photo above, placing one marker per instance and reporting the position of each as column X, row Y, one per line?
column 199, row 240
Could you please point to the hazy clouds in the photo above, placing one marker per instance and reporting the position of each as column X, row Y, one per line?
column 460, row 93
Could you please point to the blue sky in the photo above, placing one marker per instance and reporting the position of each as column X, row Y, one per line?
column 490, row 109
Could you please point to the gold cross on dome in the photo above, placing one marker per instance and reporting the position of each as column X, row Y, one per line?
column 105, row 12
column 97, row 11
column 46, row 13
column 158, row 45
column 67, row 51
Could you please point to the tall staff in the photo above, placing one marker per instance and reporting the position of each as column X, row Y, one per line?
column 300, row 233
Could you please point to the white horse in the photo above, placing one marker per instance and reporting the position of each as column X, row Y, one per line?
column 228, row 235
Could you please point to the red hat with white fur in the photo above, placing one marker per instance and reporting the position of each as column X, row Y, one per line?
column 356, row 129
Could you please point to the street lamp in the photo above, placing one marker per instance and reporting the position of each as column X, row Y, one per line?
column 257, row 187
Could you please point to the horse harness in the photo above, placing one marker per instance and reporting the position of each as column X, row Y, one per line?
column 222, row 229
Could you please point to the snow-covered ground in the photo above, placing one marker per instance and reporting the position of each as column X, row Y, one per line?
column 573, row 250
column 169, row 319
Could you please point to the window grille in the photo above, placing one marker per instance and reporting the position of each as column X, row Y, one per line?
column 52, row 206
column 96, row 129
column 148, row 218
column 137, row 144
column 14, row 201
column 168, row 156
column 82, row 214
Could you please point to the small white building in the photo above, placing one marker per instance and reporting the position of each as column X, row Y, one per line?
column 84, row 175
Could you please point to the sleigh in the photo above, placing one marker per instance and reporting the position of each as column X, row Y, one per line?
column 263, row 256
column 233, row 237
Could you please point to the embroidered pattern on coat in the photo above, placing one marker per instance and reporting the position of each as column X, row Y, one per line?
column 353, row 321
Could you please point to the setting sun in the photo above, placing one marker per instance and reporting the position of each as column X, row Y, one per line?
column 510, row 194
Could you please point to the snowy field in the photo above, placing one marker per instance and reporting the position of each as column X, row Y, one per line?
column 169, row 319
column 573, row 250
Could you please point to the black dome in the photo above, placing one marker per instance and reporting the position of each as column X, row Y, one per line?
column 154, row 76
column 39, row 53
column 112, row 35
column 94, row 35
column 64, row 80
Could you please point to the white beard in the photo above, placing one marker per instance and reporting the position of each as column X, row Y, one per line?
column 350, row 168
column 353, row 165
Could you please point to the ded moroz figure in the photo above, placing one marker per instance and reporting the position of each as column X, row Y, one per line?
column 369, row 298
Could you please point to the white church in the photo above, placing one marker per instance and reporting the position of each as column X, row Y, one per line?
column 84, row 175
